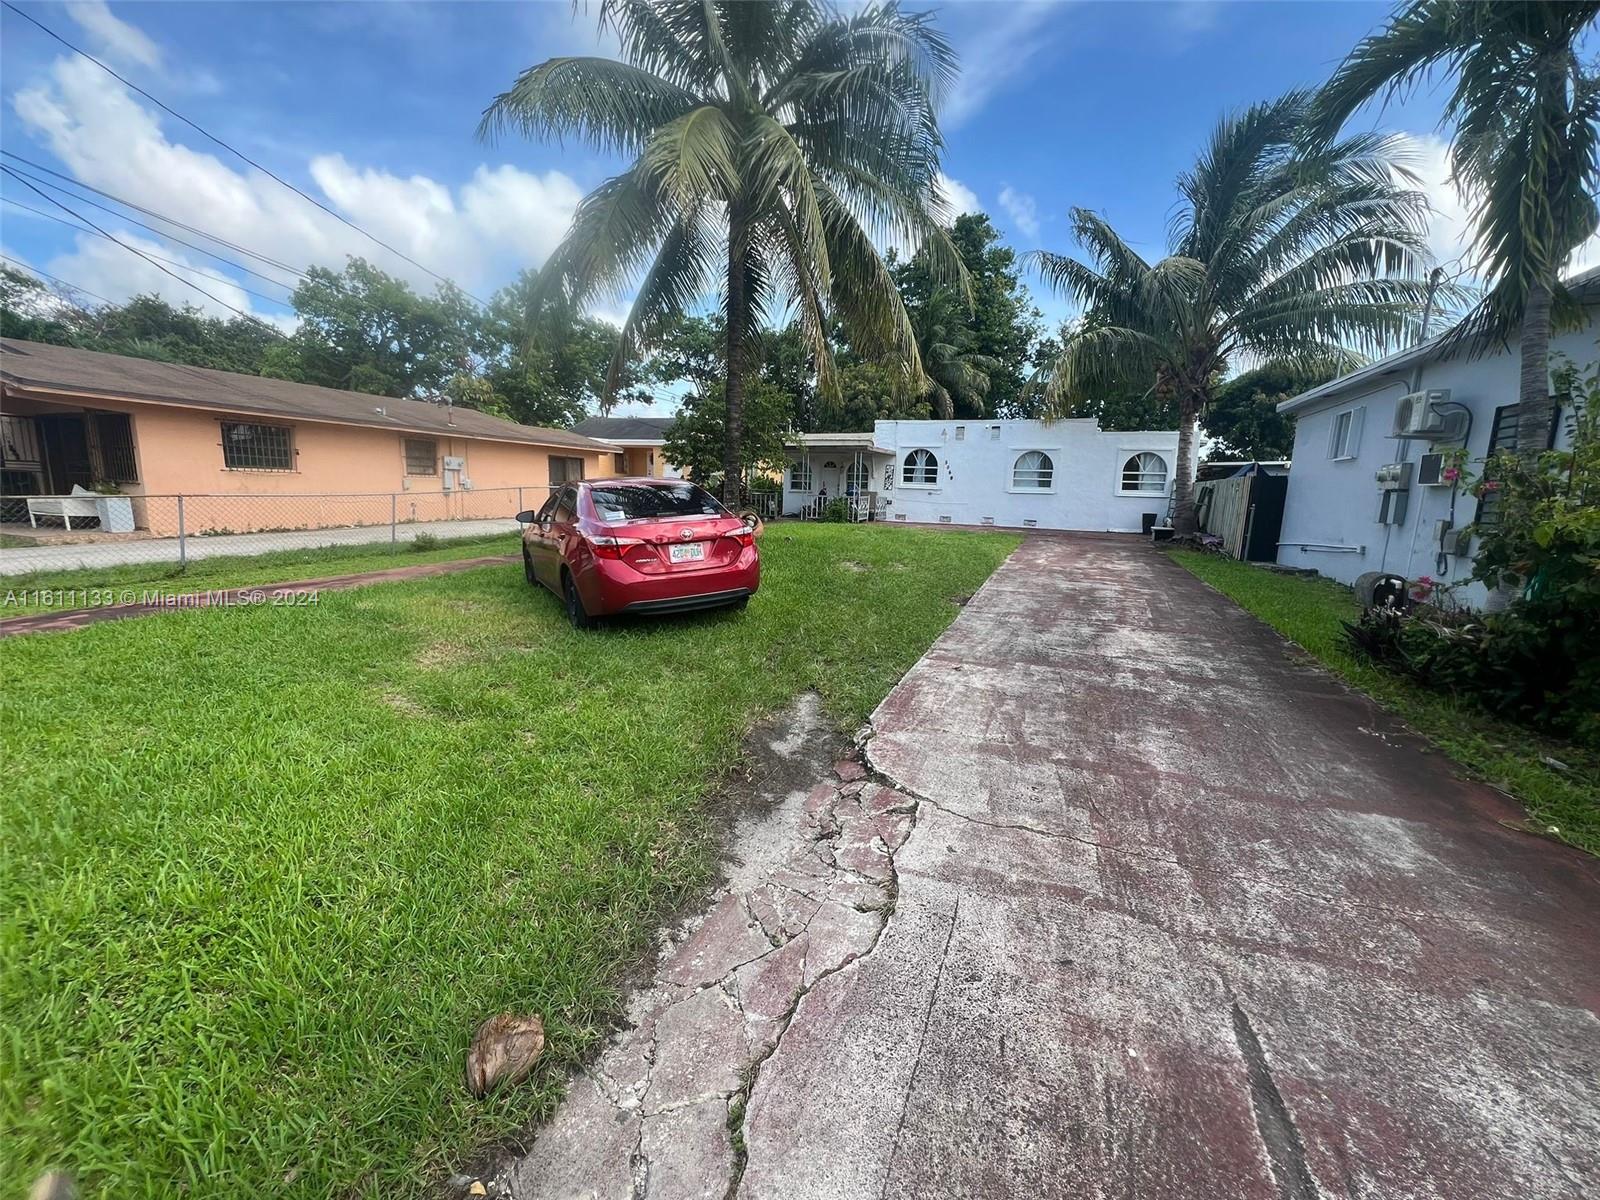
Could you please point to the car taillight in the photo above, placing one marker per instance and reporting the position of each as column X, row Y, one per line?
column 745, row 537
column 611, row 547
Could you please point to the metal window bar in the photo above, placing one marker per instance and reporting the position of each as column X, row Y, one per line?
column 113, row 434
column 422, row 456
column 247, row 447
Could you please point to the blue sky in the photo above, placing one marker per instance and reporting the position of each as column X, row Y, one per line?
column 372, row 108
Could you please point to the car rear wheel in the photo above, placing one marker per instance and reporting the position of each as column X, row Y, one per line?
column 575, row 611
column 527, row 566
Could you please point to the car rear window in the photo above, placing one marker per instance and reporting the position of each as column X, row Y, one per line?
column 640, row 501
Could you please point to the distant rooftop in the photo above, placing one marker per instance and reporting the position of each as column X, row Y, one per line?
column 625, row 429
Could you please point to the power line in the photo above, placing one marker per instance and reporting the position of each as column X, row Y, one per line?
column 32, row 270
column 149, row 212
column 221, row 279
column 135, row 250
column 239, row 153
column 39, row 212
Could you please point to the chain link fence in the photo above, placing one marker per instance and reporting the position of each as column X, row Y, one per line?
column 92, row 530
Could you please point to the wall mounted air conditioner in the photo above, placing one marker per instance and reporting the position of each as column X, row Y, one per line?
column 1419, row 415
column 1430, row 470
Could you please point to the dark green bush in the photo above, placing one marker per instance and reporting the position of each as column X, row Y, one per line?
column 836, row 510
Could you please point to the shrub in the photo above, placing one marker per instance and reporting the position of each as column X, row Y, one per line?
column 422, row 543
column 836, row 510
column 1518, row 664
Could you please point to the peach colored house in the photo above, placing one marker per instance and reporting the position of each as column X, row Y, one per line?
column 269, row 453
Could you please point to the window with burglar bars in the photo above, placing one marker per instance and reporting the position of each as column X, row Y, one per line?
column 113, row 438
column 422, row 456
column 1503, row 440
column 256, row 447
column 565, row 470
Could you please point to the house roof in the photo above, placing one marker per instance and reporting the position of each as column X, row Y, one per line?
column 93, row 375
column 1585, row 287
column 835, row 441
column 625, row 429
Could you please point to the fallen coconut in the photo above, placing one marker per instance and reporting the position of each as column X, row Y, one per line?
column 503, row 1051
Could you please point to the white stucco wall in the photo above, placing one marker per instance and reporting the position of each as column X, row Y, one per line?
column 1330, row 519
column 974, row 484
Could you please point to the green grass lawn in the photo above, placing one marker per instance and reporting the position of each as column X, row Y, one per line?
column 281, row 566
column 1309, row 612
column 262, row 871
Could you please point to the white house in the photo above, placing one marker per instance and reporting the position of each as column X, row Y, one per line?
column 1018, row 474
column 1363, row 499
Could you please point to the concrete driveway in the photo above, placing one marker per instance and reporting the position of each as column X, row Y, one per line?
column 1128, row 901
column 1181, row 916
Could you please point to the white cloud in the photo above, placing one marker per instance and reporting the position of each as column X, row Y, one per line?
column 1450, row 227
column 1022, row 209
column 995, row 52
column 478, row 233
column 958, row 197
column 114, row 37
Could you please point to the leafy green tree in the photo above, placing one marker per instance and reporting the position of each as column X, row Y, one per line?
column 368, row 331
column 545, row 363
column 1244, row 416
column 868, row 392
column 1526, row 114
column 1310, row 259
column 774, row 146
column 149, row 327
column 697, row 438
column 31, row 312
column 978, row 356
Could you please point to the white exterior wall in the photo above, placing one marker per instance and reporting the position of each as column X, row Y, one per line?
column 975, row 474
column 1330, row 517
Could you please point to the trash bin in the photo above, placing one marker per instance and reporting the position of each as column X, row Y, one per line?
column 1147, row 523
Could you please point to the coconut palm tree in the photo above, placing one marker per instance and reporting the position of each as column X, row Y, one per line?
column 1313, row 261
column 1526, row 113
column 957, row 373
column 774, row 146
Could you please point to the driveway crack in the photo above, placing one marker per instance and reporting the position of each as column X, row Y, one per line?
column 1286, row 1152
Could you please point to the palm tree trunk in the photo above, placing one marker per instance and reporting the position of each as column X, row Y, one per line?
column 738, row 334
column 1183, row 519
column 1533, row 400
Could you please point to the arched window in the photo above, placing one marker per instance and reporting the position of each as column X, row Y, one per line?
column 1033, row 472
column 857, row 477
column 800, row 475
column 920, row 467
column 1144, row 473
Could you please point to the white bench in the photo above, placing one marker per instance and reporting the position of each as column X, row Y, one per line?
column 80, row 504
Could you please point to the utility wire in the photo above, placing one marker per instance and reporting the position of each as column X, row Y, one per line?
column 32, row 270
column 39, row 212
column 239, row 153
column 135, row 250
column 149, row 212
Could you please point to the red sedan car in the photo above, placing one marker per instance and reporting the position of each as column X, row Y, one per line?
column 639, row 546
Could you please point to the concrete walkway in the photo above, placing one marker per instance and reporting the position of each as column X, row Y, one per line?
column 23, row 560
column 1171, row 913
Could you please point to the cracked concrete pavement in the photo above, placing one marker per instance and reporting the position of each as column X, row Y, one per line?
column 1129, row 900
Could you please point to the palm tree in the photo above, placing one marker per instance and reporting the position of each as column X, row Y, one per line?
column 1311, row 261
column 957, row 374
column 774, row 145
column 1526, row 113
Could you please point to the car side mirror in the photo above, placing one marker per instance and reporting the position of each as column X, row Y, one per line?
column 527, row 517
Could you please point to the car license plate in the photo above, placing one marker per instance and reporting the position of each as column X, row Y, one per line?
column 689, row 552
